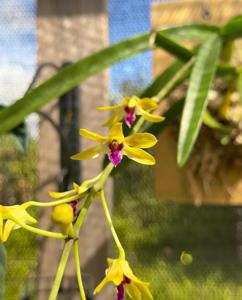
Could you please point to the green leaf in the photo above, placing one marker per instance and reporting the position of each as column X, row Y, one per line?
column 233, row 29
column 70, row 77
column 2, row 270
column 173, row 112
column 196, row 100
column 162, row 80
column 20, row 134
column 173, row 47
column 199, row 32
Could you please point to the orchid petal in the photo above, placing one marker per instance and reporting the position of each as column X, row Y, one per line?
column 141, row 140
column 133, row 291
column 8, row 227
column 145, row 291
column 114, row 119
column 116, row 132
column 114, row 107
column 89, row 153
column 92, row 135
column 58, row 195
column 80, row 189
column 132, row 102
column 147, row 104
column 139, row 155
column 149, row 117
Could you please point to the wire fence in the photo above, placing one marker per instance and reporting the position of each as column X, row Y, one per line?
column 153, row 233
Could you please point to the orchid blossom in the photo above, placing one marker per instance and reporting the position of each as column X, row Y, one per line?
column 116, row 145
column 10, row 216
column 120, row 273
column 130, row 108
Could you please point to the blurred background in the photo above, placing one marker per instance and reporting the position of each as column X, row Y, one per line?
column 38, row 38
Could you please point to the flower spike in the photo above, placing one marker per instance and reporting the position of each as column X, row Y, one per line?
column 130, row 108
column 116, row 145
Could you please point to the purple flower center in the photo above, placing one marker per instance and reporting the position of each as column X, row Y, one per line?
column 130, row 115
column 120, row 288
column 115, row 152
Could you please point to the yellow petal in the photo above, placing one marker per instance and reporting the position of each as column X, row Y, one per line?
column 1, row 228
column 133, row 291
column 139, row 155
column 141, row 140
column 92, row 135
column 89, row 153
column 116, row 132
column 114, row 273
column 145, row 291
column 80, row 189
column 147, row 104
column 132, row 102
column 17, row 212
column 149, row 117
column 114, row 107
column 114, row 119
column 7, row 228
column 58, row 195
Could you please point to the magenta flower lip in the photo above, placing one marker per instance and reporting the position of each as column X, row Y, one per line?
column 120, row 288
column 130, row 115
column 115, row 152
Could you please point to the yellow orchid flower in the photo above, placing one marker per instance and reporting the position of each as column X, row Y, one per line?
column 130, row 108
column 9, row 217
column 120, row 273
column 116, row 145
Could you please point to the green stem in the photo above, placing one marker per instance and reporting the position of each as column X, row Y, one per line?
column 46, row 233
column 110, row 223
column 61, row 268
column 78, row 270
column 106, row 172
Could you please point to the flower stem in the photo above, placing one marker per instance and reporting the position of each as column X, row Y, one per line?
column 78, row 270
column 50, row 204
column 61, row 268
column 50, row 234
column 110, row 223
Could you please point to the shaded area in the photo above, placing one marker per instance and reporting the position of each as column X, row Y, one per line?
column 154, row 235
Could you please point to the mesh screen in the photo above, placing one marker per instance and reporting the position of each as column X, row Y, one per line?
column 18, row 179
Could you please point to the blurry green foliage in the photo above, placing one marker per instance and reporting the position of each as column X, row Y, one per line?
column 18, row 182
column 155, row 234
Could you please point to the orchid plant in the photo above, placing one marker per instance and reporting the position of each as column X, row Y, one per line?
column 208, row 61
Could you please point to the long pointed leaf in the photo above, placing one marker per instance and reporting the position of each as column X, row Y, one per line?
column 2, row 270
column 201, row 79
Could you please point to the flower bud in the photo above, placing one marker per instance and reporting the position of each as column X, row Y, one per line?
column 62, row 215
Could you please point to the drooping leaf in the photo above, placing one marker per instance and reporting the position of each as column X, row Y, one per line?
column 2, row 270
column 233, row 29
column 74, row 74
column 196, row 100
